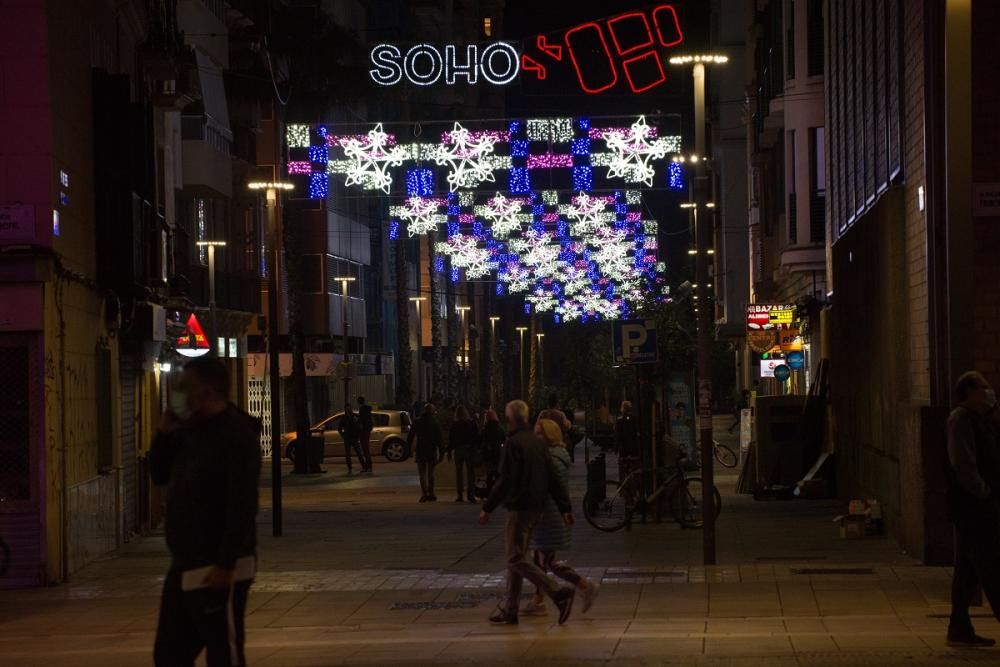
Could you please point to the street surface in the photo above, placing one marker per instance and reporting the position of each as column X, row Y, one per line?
column 367, row 576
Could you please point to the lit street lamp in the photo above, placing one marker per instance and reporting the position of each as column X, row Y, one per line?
column 697, row 63
column 344, row 280
column 212, row 245
column 462, row 310
column 268, row 198
column 420, row 346
column 520, row 378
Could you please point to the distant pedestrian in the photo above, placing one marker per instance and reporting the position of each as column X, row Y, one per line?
column 626, row 433
column 973, row 505
column 366, row 425
column 429, row 450
column 492, row 439
column 207, row 453
column 463, row 445
column 350, row 433
column 552, row 534
column 555, row 414
column 741, row 404
column 527, row 477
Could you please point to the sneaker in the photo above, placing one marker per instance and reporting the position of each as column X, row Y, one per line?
column 969, row 640
column 589, row 593
column 424, row 499
column 460, row 499
column 432, row 498
column 500, row 616
column 534, row 609
column 564, row 601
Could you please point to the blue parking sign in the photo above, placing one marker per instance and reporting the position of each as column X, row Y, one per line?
column 634, row 342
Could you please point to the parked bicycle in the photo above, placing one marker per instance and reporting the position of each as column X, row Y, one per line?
column 723, row 454
column 612, row 506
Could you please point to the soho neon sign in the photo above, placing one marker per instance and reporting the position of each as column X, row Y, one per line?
column 497, row 63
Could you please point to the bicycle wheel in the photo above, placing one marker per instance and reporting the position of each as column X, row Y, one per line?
column 725, row 456
column 608, row 511
column 688, row 508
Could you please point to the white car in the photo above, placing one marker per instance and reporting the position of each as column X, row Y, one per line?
column 391, row 428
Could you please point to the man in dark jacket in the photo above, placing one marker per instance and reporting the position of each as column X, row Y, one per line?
column 526, row 479
column 429, row 450
column 464, row 444
column 350, row 433
column 974, row 504
column 207, row 454
column 366, row 426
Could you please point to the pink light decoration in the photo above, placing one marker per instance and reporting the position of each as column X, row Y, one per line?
column 550, row 217
column 602, row 132
column 466, row 218
column 633, row 216
column 500, row 136
column 299, row 168
column 549, row 161
column 341, row 139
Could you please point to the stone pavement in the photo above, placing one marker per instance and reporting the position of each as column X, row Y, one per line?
column 366, row 576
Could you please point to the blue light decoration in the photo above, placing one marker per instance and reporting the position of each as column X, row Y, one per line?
column 319, row 186
column 393, row 230
column 580, row 146
column 583, row 178
column 455, row 275
column 562, row 228
column 452, row 229
column 520, row 180
column 322, row 131
column 319, row 154
column 477, row 229
column 527, row 308
column 500, row 289
column 439, row 263
column 556, row 318
column 675, row 176
column 519, row 147
column 419, row 182
column 583, row 124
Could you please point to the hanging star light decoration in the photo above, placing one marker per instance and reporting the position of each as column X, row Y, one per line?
column 465, row 253
column 632, row 151
column 588, row 213
column 370, row 158
column 469, row 156
column 504, row 215
column 421, row 215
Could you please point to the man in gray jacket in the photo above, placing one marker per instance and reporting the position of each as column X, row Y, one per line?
column 973, row 504
column 526, row 478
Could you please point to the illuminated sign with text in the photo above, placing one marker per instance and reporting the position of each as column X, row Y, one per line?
column 623, row 50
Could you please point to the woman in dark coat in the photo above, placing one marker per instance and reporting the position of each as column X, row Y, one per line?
column 552, row 534
column 428, row 451
column 463, row 443
column 493, row 439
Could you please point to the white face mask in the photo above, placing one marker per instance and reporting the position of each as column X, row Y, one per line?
column 179, row 405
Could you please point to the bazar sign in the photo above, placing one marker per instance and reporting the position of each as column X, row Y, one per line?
column 601, row 54
column 763, row 316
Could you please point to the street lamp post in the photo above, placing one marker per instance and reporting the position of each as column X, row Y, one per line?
column 213, row 323
column 344, row 280
column 493, row 357
column 520, row 347
column 462, row 310
column 541, row 368
column 268, row 194
column 420, row 346
column 704, row 315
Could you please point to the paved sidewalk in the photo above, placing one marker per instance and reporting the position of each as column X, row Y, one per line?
column 366, row 576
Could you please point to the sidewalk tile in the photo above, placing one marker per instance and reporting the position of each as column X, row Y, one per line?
column 747, row 646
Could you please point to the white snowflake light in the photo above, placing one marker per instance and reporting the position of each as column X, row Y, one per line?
column 504, row 215
column 466, row 254
column 421, row 215
column 371, row 159
column 587, row 213
column 297, row 136
column 554, row 130
column 631, row 152
column 469, row 158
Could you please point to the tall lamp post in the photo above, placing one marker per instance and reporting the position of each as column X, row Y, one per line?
column 493, row 357
column 344, row 280
column 420, row 346
column 462, row 310
column 520, row 347
column 704, row 315
column 213, row 323
column 541, row 368
column 268, row 195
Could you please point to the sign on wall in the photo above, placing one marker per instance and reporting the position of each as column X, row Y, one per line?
column 768, row 316
column 626, row 50
column 634, row 342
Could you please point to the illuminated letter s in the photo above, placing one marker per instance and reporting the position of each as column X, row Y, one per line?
column 387, row 70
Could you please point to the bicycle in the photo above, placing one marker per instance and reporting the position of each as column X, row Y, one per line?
column 611, row 507
column 722, row 453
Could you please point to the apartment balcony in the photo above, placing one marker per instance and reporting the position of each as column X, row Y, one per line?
column 204, row 27
column 803, row 258
column 207, row 164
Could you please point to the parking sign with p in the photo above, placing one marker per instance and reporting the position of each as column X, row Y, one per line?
column 634, row 342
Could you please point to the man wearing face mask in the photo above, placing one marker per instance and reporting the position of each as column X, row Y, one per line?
column 974, row 504
column 207, row 454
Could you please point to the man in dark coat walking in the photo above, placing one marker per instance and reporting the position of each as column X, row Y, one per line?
column 350, row 433
column 526, row 478
column 429, row 450
column 366, row 426
column 207, row 454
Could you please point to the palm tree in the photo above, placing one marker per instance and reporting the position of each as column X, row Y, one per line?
column 437, row 365
column 404, row 392
column 454, row 333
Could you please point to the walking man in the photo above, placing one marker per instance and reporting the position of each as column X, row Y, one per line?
column 973, row 504
column 366, row 425
column 526, row 479
column 464, row 445
column 350, row 432
column 429, row 450
column 207, row 454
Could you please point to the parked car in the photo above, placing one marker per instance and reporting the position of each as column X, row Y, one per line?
column 388, row 436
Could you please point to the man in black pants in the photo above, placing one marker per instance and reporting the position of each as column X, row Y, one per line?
column 207, row 453
column 974, row 504
column 366, row 426
column 350, row 433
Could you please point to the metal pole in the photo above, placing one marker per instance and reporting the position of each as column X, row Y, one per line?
column 344, row 325
column 420, row 353
column 520, row 379
column 705, row 312
column 214, row 342
column 273, row 360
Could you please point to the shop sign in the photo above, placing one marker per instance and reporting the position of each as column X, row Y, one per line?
column 764, row 316
column 17, row 223
column 986, row 199
column 188, row 348
column 760, row 341
column 796, row 361
column 767, row 366
column 789, row 340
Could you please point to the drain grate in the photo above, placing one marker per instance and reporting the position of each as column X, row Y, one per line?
column 833, row 570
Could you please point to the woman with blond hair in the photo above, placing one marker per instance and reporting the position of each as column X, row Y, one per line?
column 552, row 533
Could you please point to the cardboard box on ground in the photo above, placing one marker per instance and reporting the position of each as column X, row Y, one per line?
column 863, row 519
